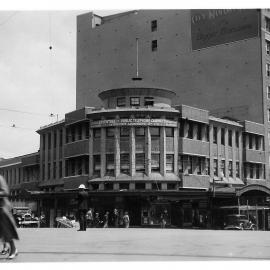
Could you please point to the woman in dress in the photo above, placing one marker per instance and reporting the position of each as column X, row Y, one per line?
column 8, row 230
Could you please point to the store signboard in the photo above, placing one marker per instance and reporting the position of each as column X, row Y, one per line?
column 133, row 122
column 212, row 27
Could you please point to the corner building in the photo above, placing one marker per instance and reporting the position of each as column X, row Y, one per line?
column 140, row 154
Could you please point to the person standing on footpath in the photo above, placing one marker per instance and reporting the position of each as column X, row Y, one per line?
column 116, row 218
column 106, row 220
column 82, row 207
column 8, row 231
column 126, row 220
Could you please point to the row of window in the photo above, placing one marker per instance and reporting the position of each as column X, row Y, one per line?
column 254, row 171
column 134, row 101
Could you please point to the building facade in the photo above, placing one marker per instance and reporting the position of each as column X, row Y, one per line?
column 201, row 54
column 140, row 154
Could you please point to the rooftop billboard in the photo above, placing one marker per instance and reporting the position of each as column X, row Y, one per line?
column 218, row 26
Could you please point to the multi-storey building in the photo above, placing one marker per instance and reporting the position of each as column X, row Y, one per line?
column 217, row 60
column 138, row 153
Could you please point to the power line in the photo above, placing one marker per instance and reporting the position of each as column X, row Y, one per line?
column 33, row 113
column 13, row 126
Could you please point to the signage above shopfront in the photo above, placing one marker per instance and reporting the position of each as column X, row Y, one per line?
column 133, row 122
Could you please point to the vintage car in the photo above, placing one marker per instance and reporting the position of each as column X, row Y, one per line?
column 24, row 218
column 238, row 222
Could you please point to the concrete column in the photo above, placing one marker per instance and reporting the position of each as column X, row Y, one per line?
column 116, row 186
column 63, row 152
column 211, row 162
column 162, row 151
column 41, row 155
column 195, row 131
column 219, row 150
column 57, row 152
column 46, row 158
column 52, row 151
column 91, row 164
column 103, row 152
column 261, row 143
column 132, row 150
column 132, row 186
column 175, row 144
column 147, row 151
column 163, row 186
column 234, row 149
column 226, row 153
column 117, row 151
column 148, row 186
column 204, row 131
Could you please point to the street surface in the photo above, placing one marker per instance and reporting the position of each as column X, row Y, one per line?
column 139, row 244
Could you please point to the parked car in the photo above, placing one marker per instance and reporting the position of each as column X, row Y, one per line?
column 24, row 217
column 238, row 222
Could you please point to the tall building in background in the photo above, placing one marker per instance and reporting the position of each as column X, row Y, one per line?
column 218, row 60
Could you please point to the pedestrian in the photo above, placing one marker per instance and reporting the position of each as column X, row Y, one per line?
column 8, row 230
column 106, row 220
column 96, row 220
column 82, row 207
column 126, row 220
column 116, row 218
column 163, row 219
column 89, row 218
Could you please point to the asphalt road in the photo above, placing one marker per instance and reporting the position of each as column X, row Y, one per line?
column 70, row 245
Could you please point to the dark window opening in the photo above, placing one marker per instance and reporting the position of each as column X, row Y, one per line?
column 139, row 164
column 156, row 186
column 110, row 132
column 171, row 186
column 223, row 136
column 124, row 163
column 124, row 131
column 140, row 186
column 148, row 101
column 230, row 138
column 169, row 163
column 215, row 135
column 110, row 164
column 154, row 45
column 97, row 132
column 154, row 25
column 121, row 102
column 134, row 101
column 96, row 161
column 155, row 163
column 124, row 186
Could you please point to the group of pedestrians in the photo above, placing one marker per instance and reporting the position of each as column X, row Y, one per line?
column 89, row 218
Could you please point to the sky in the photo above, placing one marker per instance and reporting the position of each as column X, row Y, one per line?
column 36, row 81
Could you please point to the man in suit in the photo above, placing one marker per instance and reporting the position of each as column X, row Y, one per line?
column 82, row 207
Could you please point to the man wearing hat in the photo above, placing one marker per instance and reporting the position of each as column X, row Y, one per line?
column 82, row 207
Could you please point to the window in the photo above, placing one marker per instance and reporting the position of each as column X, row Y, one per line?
column 121, row 102
column 207, row 133
column 139, row 165
column 257, row 142
column 199, row 165
column 257, row 171
column 124, row 131
column 267, row 24
column 139, row 131
column 49, row 140
column 134, row 101
column 207, row 166
column 148, row 101
column 268, row 91
column 268, row 70
column 96, row 162
column 237, row 139
column 79, row 132
column 109, row 132
column 215, row 135
column 110, row 164
column 54, row 170
column 169, row 163
column 169, row 131
column 237, row 169
column 222, row 167
column 180, row 164
column 230, row 138
column 154, row 45
column 215, row 162
column 230, row 169
column 139, row 185
column 154, row 25
column 189, row 165
column 251, row 166
column 190, row 130
column 124, row 163
column 267, row 46
column 199, row 131
column 250, row 141
column 223, row 136
column 154, row 131
column 155, row 162
column 96, row 132
column 60, row 169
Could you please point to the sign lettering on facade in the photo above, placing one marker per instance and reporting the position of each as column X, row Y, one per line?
column 219, row 26
column 133, row 122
